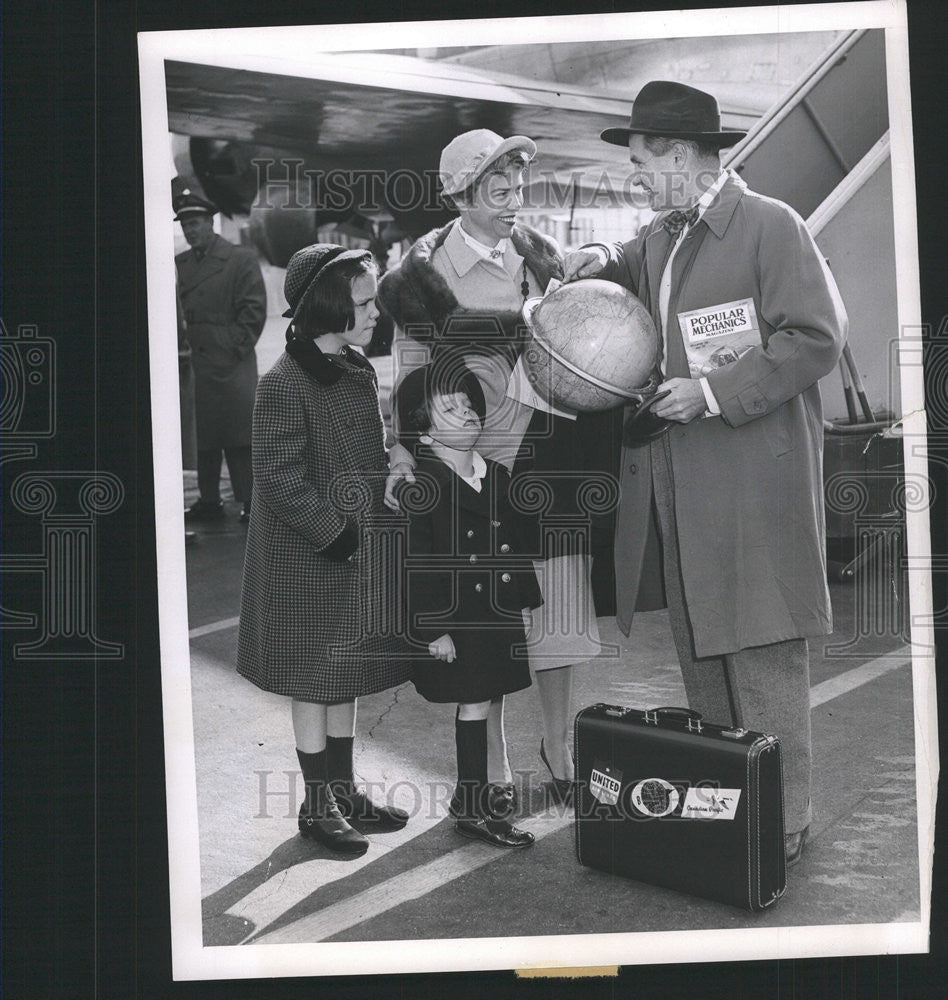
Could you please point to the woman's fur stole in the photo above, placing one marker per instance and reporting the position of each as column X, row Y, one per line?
column 423, row 306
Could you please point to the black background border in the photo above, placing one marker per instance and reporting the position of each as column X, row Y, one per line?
column 84, row 844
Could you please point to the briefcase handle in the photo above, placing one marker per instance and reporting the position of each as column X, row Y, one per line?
column 682, row 714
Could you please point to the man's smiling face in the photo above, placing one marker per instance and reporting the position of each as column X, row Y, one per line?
column 659, row 175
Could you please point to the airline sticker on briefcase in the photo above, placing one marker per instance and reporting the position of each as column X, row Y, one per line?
column 605, row 783
column 655, row 797
column 704, row 802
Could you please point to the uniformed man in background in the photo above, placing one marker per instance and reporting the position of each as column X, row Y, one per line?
column 225, row 307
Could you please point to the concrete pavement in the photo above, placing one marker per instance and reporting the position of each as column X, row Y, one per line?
column 260, row 882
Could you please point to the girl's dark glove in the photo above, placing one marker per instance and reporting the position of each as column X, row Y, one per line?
column 345, row 544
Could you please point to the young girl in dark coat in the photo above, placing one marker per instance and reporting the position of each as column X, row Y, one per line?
column 313, row 577
column 470, row 581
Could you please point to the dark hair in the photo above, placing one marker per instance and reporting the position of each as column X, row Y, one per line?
column 512, row 158
column 327, row 306
column 413, row 395
column 660, row 145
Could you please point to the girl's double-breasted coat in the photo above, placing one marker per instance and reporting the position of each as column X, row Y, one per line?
column 318, row 607
column 468, row 574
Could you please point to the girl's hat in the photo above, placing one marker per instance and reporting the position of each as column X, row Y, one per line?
column 306, row 266
column 447, row 375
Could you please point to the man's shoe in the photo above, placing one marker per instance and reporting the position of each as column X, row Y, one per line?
column 320, row 820
column 497, row 832
column 502, row 801
column 364, row 814
column 793, row 846
column 205, row 510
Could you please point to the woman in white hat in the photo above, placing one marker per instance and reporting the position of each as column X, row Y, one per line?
column 465, row 285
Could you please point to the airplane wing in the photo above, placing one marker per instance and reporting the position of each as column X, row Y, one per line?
column 384, row 117
column 366, row 111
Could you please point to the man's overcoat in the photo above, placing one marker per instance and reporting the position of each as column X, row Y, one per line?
column 225, row 307
column 748, row 487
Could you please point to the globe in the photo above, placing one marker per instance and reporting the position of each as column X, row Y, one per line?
column 594, row 346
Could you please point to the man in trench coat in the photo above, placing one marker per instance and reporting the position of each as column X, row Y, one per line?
column 225, row 307
column 733, row 490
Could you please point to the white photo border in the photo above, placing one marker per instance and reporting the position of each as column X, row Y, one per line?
column 285, row 50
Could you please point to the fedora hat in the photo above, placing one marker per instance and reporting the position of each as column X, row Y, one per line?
column 674, row 111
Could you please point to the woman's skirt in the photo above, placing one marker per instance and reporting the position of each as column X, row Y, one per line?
column 564, row 629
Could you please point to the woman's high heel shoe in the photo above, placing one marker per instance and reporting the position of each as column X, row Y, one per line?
column 561, row 789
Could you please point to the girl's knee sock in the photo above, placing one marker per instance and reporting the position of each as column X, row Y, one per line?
column 471, row 740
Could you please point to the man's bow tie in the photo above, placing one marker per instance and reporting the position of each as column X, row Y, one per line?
column 675, row 221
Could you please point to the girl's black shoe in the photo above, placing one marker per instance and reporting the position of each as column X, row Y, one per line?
column 502, row 801
column 497, row 832
column 320, row 820
column 364, row 814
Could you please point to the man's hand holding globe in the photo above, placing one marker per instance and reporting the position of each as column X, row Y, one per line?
column 682, row 399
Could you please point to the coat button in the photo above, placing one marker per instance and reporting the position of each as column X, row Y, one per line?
column 473, row 559
column 505, row 547
column 505, row 578
column 633, row 468
column 495, row 524
column 758, row 405
column 470, row 532
column 478, row 587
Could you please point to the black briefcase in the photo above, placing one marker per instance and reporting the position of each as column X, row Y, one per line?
column 666, row 798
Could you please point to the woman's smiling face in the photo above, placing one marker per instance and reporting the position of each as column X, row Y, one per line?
column 495, row 202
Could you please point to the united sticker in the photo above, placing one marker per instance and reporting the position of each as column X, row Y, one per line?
column 605, row 783
column 718, row 335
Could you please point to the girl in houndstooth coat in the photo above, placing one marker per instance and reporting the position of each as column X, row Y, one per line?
column 315, row 582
